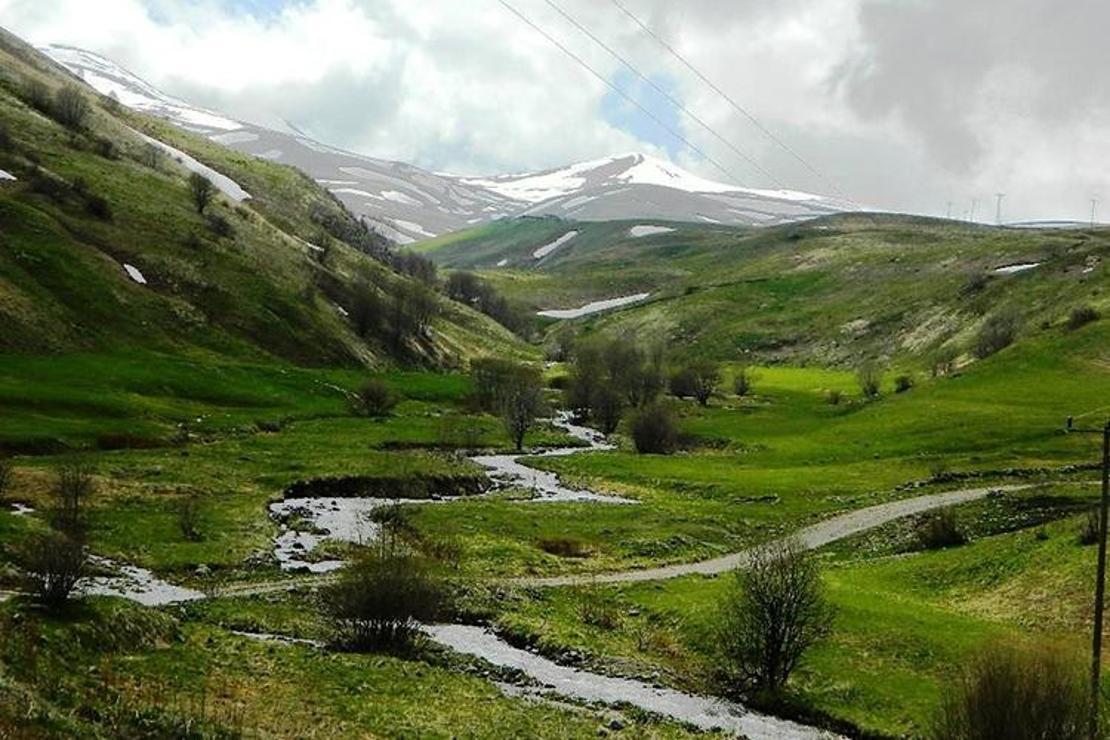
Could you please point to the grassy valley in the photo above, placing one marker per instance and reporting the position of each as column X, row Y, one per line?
column 198, row 368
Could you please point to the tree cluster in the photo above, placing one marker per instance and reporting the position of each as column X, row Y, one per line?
column 511, row 390
column 471, row 290
column 610, row 375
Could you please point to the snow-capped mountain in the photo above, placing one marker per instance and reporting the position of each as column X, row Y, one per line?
column 407, row 203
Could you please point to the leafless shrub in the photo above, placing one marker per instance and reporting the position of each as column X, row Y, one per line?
column 772, row 614
column 54, row 562
column 380, row 599
column 190, row 515
column 939, row 530
column 654, row 431
column 201, row 190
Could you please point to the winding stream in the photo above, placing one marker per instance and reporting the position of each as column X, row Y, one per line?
column 346, row 519
column 319, row 519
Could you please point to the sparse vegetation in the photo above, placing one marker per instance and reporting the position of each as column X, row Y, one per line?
column 742, row 382
column 1081, row 316
column 190, row 518
column 1016, row 692
column 870, row 380
column 375, row 399
column 940, row 529
column 997, row 333
column 201, row 190
column 70, row 107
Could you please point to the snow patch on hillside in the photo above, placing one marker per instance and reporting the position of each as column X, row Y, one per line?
column 399, row 197
column 593, row 307
column 4, row 175
column 547, row 249
column 226, row 185
column 135, row 274
column 1018, row 267
column 648, row 230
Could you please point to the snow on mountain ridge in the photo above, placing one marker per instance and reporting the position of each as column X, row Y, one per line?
column 406, row 203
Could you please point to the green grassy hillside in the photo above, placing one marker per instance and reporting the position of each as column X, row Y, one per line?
column 241, row 281
column 830, row 291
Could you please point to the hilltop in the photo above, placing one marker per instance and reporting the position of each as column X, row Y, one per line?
column 831, row 290
column 103, row 248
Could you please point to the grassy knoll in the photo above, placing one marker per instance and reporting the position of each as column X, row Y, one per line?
column 110, row 669
column 905, row 622
column 834, row 290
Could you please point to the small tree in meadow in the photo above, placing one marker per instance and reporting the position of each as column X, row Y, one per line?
column 520, row 401
column 380, row 599
column 706, row 378
column 773, row 613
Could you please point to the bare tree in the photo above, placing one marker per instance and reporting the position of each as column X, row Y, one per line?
column 54, row 563
column 520, row 401
column 706, row 378
column 773, row 613
column 202, row 190
column 75, row 485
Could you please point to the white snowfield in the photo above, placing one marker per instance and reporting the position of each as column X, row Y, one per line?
column 134, row 273
column 647, row 230
column 547, row 249
column 1019, row 267
column 109, row 79
column 226, row 185
column 594, row 307
column 6, row 175
column 631, row 168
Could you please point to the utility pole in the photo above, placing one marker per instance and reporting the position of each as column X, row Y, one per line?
column 948, row 215
column 1100, row 576
column 1094, row 202
column 998, row 208
column 971, row 213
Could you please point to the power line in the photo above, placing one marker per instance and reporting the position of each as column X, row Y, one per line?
column 767, row 132
column 670, row 98
column 689, row 144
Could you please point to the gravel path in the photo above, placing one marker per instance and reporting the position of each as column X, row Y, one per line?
column 812, row 537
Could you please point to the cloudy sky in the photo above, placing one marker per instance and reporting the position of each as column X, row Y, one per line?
column 901, row 104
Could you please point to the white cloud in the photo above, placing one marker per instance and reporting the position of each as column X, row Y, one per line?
column 906, row 105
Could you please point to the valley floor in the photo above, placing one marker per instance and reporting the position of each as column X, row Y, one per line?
column 237, row 437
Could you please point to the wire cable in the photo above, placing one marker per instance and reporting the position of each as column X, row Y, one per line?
column 689, row 144
column 755, row 121
column 670, row 98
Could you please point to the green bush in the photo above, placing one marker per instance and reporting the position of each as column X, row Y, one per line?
column 997, row 333
column 654, row 431
column 375, row 399
column 903, row 383
column 1081, row 316
column 380, row 599
column 1017, row 693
